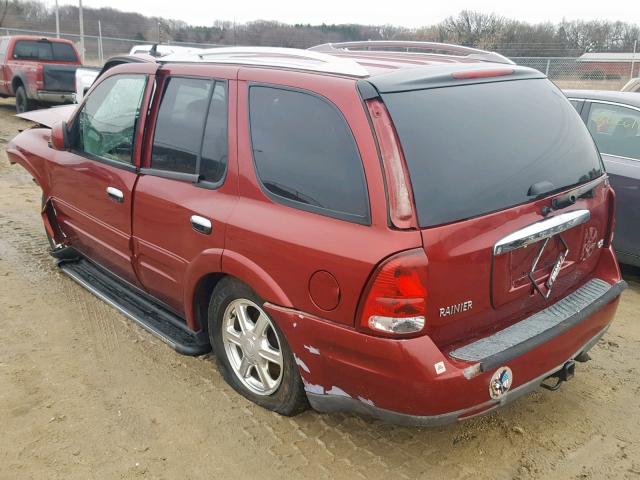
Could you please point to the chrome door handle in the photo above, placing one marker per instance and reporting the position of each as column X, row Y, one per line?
column 115, row 194
column 201, row 224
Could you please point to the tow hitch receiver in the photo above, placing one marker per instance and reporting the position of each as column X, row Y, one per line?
column 565, row 374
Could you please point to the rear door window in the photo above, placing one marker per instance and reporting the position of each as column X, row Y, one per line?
column 479, row 148
column 305, row 154
column 191, row 130
column 178, row 133
column 615, row 129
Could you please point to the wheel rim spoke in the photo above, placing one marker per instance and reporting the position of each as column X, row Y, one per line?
column 233, row 336
column 244, row 367
column 263, row 374
column 270, row 354
column 243, row 319
column 260, row 328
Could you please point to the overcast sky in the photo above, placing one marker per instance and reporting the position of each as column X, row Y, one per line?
column 397, row 12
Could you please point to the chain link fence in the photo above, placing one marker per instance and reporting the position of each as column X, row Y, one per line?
column 98, row 49
column 566, row 72
column 574, row 72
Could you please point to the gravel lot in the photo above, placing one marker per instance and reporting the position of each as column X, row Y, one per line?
column 84, row 393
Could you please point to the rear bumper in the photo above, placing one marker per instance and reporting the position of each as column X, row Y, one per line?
column 411, row 381
column 54, row 97
column 335, row 403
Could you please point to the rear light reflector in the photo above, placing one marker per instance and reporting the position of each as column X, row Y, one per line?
column 395, row 299
column 401, row 210
column 494, row 72
column 39, row 77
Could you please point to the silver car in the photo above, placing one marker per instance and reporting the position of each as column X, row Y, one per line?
column 613, row 118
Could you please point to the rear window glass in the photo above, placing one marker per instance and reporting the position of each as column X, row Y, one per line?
column 305, row 154
column 476, row 149
column 44, row 50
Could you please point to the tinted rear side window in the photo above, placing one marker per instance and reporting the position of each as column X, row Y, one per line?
column 178, row 132
column 305, row 154
column 213, row 160
column 475, row 149
column 44, row 50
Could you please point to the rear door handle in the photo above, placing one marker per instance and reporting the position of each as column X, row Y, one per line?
column 115, row 194
column 201, row 224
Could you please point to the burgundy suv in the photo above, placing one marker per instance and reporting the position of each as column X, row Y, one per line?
column 421, row 235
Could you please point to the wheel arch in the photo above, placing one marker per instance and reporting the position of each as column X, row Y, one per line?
column 18, row 80
column 202, row 278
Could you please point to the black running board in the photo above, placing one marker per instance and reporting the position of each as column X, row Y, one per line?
column 137, row 306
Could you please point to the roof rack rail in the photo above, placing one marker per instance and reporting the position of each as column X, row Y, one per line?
column 273, row 57
column 396, row 46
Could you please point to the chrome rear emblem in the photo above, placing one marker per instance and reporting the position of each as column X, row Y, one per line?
column 555, row 271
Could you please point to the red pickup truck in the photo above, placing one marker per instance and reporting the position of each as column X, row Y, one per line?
column 37, row 70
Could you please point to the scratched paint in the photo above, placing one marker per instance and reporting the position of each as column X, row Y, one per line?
column 312, row 349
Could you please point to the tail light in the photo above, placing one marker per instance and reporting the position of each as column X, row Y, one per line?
column 394, row 303
column 401, row 210
column 492, row 72
column 39, row 77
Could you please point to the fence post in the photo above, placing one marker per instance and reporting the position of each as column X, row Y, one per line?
column 633, row 59
column 547, row 70
column 100, row 52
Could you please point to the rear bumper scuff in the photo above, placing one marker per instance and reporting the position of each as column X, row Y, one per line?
column 340, row 403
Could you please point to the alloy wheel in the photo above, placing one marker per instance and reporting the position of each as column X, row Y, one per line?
column 252, row 347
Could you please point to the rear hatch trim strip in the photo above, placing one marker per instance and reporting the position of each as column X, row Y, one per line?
column 513, row 341
column 540, row 230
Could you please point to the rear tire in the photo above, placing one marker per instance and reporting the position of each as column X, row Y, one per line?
column 23, row 102
column 243, row 336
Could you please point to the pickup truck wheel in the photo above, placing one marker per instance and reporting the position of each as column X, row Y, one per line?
column 23, row 102
column 251, row 351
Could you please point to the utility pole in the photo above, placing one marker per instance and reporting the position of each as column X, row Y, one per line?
column 57, row 21
column 633, row 59
column 158, row 32
column 100, row 52
column 81, row 30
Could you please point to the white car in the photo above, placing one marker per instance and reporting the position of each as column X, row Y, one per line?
column 632, row 85
column 85, row 76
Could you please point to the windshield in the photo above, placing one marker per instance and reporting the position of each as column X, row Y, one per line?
column 475, row 149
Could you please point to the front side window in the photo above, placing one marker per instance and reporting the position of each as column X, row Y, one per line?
column 615, row 129
column 106, row 125
column 305, row 154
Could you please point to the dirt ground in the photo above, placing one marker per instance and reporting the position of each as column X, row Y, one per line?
column 85, row 393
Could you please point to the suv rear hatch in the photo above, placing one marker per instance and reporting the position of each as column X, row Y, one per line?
column 489, row 157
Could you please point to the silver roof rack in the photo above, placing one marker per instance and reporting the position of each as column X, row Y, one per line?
column 392, row 46
column 273, row 57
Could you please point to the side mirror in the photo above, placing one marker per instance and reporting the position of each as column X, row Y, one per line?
column 59, row 139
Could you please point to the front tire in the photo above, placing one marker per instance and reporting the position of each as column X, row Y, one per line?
column 23, row 102
column 251, row 351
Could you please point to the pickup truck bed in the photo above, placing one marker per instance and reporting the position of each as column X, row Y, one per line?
column 37, row 70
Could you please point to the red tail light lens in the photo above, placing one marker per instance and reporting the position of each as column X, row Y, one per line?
column 39, row 77
column 396, row 296
column 400, row 196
